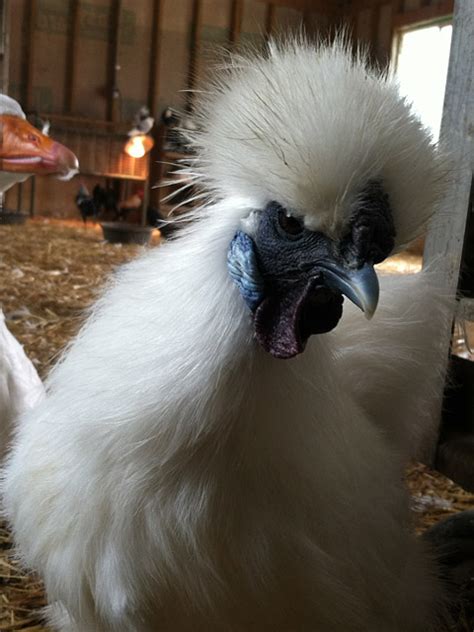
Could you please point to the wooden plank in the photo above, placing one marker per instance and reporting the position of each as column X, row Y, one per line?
column 194, row 45
column 424, row 14
column 5, row 52
column 411, row 5
column 270, row 20
column 29, row 55
column 320, row 6
column 363, row 26
column 457, row 127
column 312, row 23
column 71, row 56
column 82, row 122
column 153, row 73
column 374, row 35
column 236, row 21
column 359, row 5
column 445, row 240
column 112, row 113
column 19, row 199
column 385, row 35
column 32, row 196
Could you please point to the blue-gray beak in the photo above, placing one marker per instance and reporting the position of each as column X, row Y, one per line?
column 360, row 286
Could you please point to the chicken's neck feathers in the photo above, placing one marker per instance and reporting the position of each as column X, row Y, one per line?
column 178, row 367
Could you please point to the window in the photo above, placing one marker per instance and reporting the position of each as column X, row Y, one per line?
column 421, row 67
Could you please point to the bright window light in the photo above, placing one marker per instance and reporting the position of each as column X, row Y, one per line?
column 422, row 66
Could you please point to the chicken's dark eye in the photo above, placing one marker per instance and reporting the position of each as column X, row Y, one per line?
column 291, row 226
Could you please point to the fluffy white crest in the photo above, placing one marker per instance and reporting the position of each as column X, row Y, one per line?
column 308, row 126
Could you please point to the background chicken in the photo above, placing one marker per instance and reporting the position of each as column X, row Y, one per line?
column 210, row 466
column 25, row 151
column 86, row 204
column 131, row 203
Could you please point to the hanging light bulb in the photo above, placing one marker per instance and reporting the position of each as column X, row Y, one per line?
column 138, row 145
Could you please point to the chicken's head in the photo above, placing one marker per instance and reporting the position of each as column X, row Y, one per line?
column 26, row 150
column 338, row 173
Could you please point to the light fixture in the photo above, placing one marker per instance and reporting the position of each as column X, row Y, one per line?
column 138, row 145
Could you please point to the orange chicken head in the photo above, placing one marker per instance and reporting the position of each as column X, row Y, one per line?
column 26, row 150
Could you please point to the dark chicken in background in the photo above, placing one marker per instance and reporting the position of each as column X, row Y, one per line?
column 103, row 204
column 103, row 201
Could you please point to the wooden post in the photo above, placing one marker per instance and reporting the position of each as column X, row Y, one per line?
column 29, row 55
column 444, row 244
column 5, row 46
column 19, row 198
column 194, row 44
column 32, row 195
column 270, row 21
column 374, row 35
column 445, row 238
column 71, row 56
column 153, row 76
column 146, row 194
column 112, row 65
column 235, row 21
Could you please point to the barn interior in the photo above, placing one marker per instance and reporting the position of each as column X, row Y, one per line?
column 115, row 81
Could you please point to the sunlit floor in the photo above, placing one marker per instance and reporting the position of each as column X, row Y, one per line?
column 404, row 263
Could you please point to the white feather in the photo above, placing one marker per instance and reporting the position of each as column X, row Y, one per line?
column 394, row 365
column 20, row 386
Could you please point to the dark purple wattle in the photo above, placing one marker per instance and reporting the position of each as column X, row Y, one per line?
column 284, row 321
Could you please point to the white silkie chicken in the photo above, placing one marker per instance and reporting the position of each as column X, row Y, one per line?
column 191, row 469
column 24, row 151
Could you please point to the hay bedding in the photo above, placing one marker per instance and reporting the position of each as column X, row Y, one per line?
column 50, row 272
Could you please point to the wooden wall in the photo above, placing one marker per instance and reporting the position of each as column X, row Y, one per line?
column 68, row 55
column 103, row 59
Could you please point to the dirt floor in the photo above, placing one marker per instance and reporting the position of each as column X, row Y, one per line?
column 50, row 272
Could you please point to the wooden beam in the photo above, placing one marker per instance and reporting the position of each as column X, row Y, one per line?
column 423, row 15
column 270, row 20
column 359, row 5
column 153, row 71
column 194, row 46
column 19, row 197
column 71, row 56
column 5, row 52
column 374, row 35
column 321, row 6
column 28, row 54
column 112, row 113
column 32, row 196
column 308, row 22
column 236, row 21
column 445, row 240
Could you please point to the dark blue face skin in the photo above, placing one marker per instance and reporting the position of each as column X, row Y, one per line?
column 301, row 270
